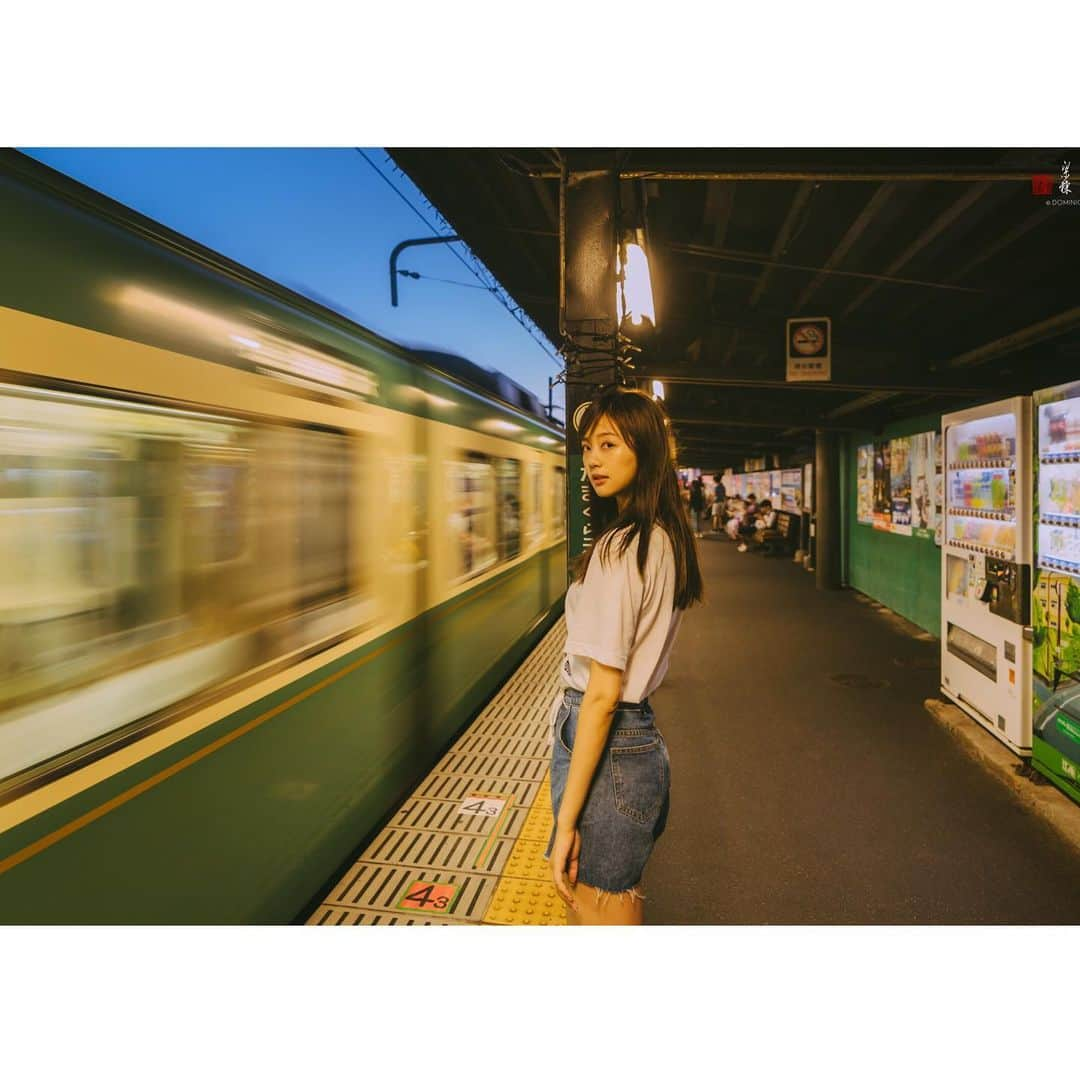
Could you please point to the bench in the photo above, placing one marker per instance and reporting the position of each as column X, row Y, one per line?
column 783, row 538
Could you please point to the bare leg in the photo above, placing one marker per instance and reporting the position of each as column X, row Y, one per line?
column 596, row 908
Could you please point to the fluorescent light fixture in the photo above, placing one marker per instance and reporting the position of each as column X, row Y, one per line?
column 432, row 399
column 500, row 425
column 633, row 295
column 547, row 440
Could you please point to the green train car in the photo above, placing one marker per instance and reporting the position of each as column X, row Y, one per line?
column 257, row 568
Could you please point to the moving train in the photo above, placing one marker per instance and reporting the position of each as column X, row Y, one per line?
column 258, row 566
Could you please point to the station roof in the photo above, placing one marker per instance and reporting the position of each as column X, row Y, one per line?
column 946, row 279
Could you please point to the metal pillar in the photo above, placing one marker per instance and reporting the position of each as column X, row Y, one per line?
column 827, row 509
column 588, row 200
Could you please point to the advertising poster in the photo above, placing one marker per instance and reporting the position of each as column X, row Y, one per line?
column 882, row 490
column 922, row 485
column 864, row 475
column 900, row 484
column 808, row 489
column 791, row 493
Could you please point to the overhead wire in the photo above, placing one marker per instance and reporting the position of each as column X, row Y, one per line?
column 445, row 281
column 492, row 286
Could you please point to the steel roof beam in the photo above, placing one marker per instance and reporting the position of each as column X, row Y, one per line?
column 939, row 225
column 807, row 420
column 967, row 176
column 862, row 386
column 855, row 230
column 728, row 255
column 1058, row 324
column 799, row 204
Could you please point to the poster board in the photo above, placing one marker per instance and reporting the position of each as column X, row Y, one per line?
column 864, row 479
column 882, row 487
column 900, row 484
column 923, row 515
column 791, row 490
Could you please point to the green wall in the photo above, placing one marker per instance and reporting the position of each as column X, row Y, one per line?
column 901, row 572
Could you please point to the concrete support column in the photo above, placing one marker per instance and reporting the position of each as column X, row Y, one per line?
column 587, row 210
column 827, row 509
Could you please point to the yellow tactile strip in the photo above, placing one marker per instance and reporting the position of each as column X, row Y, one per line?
column 525, row 895
column 434, row 843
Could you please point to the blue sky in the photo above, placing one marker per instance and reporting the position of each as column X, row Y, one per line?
column 323, row 222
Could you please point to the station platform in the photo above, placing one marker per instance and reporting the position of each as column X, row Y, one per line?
column 467, row 846
column 809, row 785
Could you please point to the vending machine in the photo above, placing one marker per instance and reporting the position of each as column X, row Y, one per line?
column 986, row 568
column 1055, row 599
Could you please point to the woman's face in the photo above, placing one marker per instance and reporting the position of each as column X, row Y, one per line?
column 609, row 461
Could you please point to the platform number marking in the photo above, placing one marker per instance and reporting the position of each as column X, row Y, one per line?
column 481, row 807
column 429, row 896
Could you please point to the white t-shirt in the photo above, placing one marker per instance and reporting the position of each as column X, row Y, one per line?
column 622, row 619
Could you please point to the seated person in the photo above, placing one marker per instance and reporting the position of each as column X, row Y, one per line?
column 766, row 516
column 741, row 516
column 764, row 519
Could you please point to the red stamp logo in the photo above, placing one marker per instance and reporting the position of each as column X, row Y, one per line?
column 1042, row 184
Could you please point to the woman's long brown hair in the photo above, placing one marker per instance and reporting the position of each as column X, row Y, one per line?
column 654, row 495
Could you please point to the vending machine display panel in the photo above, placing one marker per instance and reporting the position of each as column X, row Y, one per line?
column 1055, row 589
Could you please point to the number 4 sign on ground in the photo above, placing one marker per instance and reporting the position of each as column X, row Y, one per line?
column 429, row 896
column 482, row 806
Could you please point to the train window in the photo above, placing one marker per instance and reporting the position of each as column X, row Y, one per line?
column 471, row 487
column 535, row 529
column 150, row 554
column 558, row 503
column 508, row 495
column 407, row 506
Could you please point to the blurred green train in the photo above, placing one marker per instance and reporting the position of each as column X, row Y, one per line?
column 257, row 568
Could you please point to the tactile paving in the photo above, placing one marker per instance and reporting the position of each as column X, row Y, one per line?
column 504, row 754
column 456, row 788
column 526, row 902
column 527, row 861
column 438, row 816
column 330, row 915
column 442, row 851
column 507, row 728
column 523, row 746
column 382, row 888
column 489, row 765
column 537, row 827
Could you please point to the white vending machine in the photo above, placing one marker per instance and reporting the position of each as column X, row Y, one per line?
column 986, row 567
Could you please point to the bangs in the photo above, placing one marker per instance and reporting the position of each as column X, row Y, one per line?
column 594, row 417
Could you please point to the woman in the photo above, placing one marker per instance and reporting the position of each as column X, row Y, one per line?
column 609, row 764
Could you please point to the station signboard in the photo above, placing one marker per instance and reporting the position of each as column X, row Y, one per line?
column 809, row 349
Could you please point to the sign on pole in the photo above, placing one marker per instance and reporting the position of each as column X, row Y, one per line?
column 809, row 349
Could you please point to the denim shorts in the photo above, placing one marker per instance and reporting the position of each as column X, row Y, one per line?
column 626, row 807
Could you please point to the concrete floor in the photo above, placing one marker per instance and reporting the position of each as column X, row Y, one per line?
column 798, row 800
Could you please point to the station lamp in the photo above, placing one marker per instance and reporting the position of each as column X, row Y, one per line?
column 658, row 389
column 633, row 285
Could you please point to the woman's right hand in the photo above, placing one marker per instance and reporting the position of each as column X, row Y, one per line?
column 564, row 863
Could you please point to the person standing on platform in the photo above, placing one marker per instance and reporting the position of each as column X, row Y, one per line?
column 719, row 499
column 697, row 506
column 609, row 763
